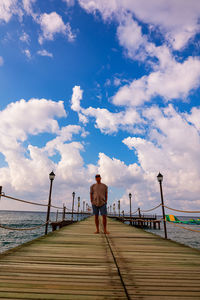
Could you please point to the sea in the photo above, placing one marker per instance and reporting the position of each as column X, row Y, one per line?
column 180, row 235
column 22, row 219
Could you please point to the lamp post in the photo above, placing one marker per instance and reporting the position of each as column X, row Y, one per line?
column 130, row 196
column 79, row 203
column 114, row 209
column 160, row 179
column 83, row 206
column 51, row 177
column 110, row 209
column 78, row 207
column 73, row 195
column 119, row 207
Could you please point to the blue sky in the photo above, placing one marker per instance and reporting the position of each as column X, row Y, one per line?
column 104, row 86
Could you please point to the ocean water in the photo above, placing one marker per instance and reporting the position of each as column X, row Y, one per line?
column 180, row 235
column 10, row 238
column 21, row 219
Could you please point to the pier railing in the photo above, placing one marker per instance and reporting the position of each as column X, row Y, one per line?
column 49, row 221
column 140, row 220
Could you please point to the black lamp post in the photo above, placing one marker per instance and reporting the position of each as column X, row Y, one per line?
column 83, row 206
column 130, row 196
column 73, row 195
column 160, row 179
column 78, row 207
column 51, row 177
column 79, row 203
column 114, row 209
column 119, row 207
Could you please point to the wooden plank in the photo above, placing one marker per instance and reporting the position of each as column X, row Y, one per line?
column 74, row 263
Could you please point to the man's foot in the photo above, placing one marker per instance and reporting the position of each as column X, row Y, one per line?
column 106, row 232
column 96, row 232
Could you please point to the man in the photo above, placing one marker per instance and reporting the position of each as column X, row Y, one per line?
column 98, row 197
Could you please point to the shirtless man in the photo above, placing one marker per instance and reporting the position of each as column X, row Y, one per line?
column 98, row 197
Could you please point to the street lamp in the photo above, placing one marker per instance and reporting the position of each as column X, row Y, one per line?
column 51, row 178
column 130, row 196
column 78, row 207
column 73, row 195
column 114, row 208
column 83, row 206
column 160, row 179
column 119, row 207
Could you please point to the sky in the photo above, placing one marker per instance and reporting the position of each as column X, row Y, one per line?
column 109, row 87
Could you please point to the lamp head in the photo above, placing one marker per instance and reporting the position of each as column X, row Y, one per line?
column 52, row 176
column 73, row 194
column 160, row 177
column 130, row 195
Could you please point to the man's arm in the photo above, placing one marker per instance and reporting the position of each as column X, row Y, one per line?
column 91, row 194
column 106, row 195
column 91, row 197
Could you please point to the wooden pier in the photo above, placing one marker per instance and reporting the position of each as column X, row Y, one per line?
column 75, row 263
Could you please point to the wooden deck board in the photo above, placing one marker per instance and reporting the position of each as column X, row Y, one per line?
column 74, row 263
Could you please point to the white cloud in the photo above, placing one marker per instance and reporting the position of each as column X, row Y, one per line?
column 1, row 61
column 76, row 98
column 27, row 4
column 52, row 24
column 27, row 53
column 194, row 117
column 44, row 53
column 69, row 2
column 178, row 21
column 173, row 80
column 173, row 149
column 25, row 38
column 26, row 175
column 7, row 9
column 108, row 122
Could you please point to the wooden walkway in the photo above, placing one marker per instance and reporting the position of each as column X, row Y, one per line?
column 74, row 263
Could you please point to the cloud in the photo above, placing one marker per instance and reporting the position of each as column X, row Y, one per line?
column 194, row 117
column 7, row 9
column 76, row 98
column 178, row 21
column 69, row 2
column 44, row 53
column 1, row 61
column 27, row 5
column 172, row 147
column 25, row 38
column 108, row 122
column 52, row 24
column 171, row 81
column 27, row 53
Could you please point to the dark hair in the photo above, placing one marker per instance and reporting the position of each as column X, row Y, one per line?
column 98, row 175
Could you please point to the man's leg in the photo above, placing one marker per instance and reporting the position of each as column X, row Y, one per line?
column 105, row 224
column 96, row 217
column 97, row 223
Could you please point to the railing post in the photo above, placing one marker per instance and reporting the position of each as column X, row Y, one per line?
column 123, row 215
column 63, row 212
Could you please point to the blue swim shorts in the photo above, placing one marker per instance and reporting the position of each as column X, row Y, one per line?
column 102, row 209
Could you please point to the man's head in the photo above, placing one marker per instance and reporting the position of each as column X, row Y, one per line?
column 98, row 178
